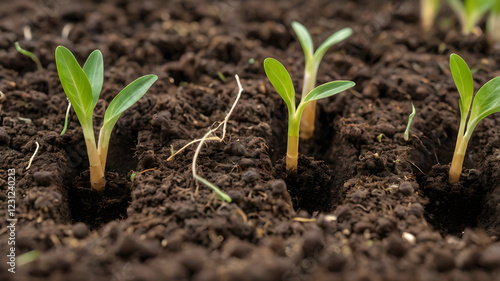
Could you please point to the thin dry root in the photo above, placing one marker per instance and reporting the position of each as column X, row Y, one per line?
column 190, row 143
column 33, row 157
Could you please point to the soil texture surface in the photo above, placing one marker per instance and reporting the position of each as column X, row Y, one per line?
column 365, row 204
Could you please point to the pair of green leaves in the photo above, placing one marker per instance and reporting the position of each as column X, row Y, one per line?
column 307, row 43
column 83, row 86
column 282, row 82
column 484, row 103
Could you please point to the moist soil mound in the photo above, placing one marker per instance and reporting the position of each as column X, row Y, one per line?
column 365, row 204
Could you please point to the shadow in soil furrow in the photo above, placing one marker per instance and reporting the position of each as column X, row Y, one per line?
column 88, row 206
column 452, row 208
column 325, row 163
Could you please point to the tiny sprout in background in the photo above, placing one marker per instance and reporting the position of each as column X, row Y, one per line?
column 66, row 118
column 428, row 12
column 470, row 12
column 410, row 119
column 29, row 54
column 493, row 24
column 379, row 137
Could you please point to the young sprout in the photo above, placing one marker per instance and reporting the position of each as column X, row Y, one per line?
column 30, row 55
column 410, row 119
column 470, row 12
column 485, row 102
column 281, row 81
column 83, row 87
column 313, row 59
column 66, row 118
column 428, row 12
column 493, row 24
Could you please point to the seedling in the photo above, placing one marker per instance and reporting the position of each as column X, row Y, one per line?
column 313, row 59
column 428, row 12
column 485, row 102
column 470, row 12
column 410, row 119
column 282, row 82
column 83, row 87
column 221, row 76
column 29, row 54
column 379, row 137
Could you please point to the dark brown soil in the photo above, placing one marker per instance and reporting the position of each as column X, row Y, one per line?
column 366, row 205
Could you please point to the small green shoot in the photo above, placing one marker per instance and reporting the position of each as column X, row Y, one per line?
column 282, row 82
column 66, row 118
column 410, row 119
column 379, row 137
column 83, row 87
column 485, row 102
column 251, row 61
column 28, row 257
column 313, row 59
column 134, row 174
column 428, row 12
column 221, row 76
column 30, row 55
column 470, row 12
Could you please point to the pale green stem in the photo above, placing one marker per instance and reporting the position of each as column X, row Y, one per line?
column 97, row 179
column 428, row 13
column 458, row 157
column 460, row 135
column 493, row 26
column 104, row 137
column 468, row 25
column 292, row 155
column 309, row 114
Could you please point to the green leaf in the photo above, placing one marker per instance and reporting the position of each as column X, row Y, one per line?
column 496, row 8
column 486, row 102
column 94, row 69
column 127, row 97
column 279, row 77
column 75, row 83
column 330, row 41
column 462, row 77
column 476, row 8
column 327, row 90
column 304, row 39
